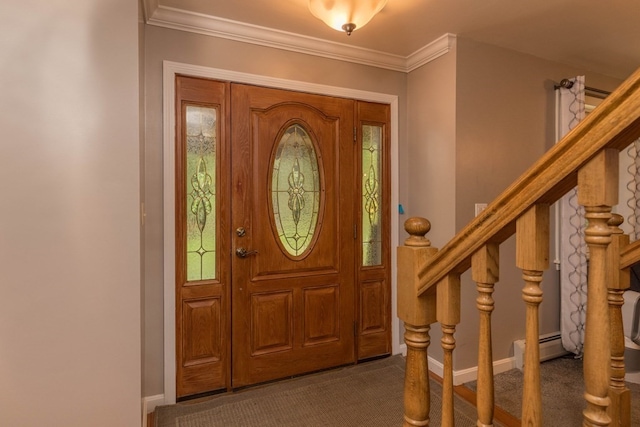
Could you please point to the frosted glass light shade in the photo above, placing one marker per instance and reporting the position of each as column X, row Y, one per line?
column 339, row 13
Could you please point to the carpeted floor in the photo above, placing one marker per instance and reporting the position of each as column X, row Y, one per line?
column 369, row 394
column 562, row 389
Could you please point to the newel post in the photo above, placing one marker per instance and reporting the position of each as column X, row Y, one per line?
column 417, row 313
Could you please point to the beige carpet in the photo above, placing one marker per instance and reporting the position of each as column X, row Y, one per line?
column 368, row 394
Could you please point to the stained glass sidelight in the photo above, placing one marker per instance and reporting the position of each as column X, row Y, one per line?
column 200, row 180
column 295, row 190
column 371, row 195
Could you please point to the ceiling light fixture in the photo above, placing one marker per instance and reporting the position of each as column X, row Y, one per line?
column 346, row 15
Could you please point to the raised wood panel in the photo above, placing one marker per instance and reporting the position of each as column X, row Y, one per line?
column 373, row 300
column 271, row 323
column 201, row 323
column 321, row 315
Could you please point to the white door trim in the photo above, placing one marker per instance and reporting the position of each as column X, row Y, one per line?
column 170, row 69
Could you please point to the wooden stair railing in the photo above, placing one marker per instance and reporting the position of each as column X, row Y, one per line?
column 429, row 279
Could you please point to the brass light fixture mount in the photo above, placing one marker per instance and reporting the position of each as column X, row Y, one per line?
column 348, row 28
column 346, row 15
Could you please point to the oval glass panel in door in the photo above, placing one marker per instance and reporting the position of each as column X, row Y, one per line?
column 295, row 191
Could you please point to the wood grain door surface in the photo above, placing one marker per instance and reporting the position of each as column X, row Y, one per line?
column 202, row 199
column 291, row 292
column 292, row 312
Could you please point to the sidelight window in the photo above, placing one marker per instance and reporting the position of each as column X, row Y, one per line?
column 201, row 129
column 371, row 195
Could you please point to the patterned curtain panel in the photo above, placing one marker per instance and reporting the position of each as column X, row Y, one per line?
column 573, row 251
column 631, row 190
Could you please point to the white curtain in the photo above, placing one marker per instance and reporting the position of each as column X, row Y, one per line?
column 573, row 251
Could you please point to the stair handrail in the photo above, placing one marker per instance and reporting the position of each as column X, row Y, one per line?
column 613, row 124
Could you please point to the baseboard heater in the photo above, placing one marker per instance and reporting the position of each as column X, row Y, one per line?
column 550, row 348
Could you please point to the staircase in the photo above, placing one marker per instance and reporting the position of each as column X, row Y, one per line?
column 429, row 279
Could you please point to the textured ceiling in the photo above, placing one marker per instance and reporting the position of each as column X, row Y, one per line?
column 597, row 35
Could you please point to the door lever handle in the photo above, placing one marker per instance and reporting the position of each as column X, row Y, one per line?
column 243, row 253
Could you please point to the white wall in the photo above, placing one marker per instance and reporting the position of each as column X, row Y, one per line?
column 69, row 227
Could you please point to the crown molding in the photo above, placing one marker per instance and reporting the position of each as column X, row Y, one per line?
column 148, row 7
column 428, row 53
column 178, row 19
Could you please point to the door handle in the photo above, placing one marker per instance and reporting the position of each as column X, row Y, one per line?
column 243, row 253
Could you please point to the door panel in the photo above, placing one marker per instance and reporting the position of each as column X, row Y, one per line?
column 204, row 345
column 202, row 243
column 321, row 315
column 373, row 254
column 293, row 298
column 271, row 322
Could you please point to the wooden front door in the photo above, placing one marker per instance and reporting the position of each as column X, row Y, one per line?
column 293, row 183
column 282, row 234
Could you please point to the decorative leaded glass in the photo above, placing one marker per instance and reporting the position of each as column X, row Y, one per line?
column 371, row 195
column 295, row 190
column 201, row 124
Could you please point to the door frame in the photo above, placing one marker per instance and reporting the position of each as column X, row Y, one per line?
column 170, row 69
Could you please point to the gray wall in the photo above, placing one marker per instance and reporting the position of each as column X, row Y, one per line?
column 505, row 121
column 141, row 111
column 431, row 149
column 70, row 218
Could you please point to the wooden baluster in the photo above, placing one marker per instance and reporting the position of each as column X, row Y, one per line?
column 597, row 192
column 417, row 313
column 532, row 256
column 448, row 314
column 417, row 399
column 617, row 281
column 485, row 272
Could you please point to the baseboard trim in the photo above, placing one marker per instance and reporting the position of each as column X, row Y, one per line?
column 471, row 374
column 465, row 375
column 402, row 349
column 149, row 404
column 550, row 348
